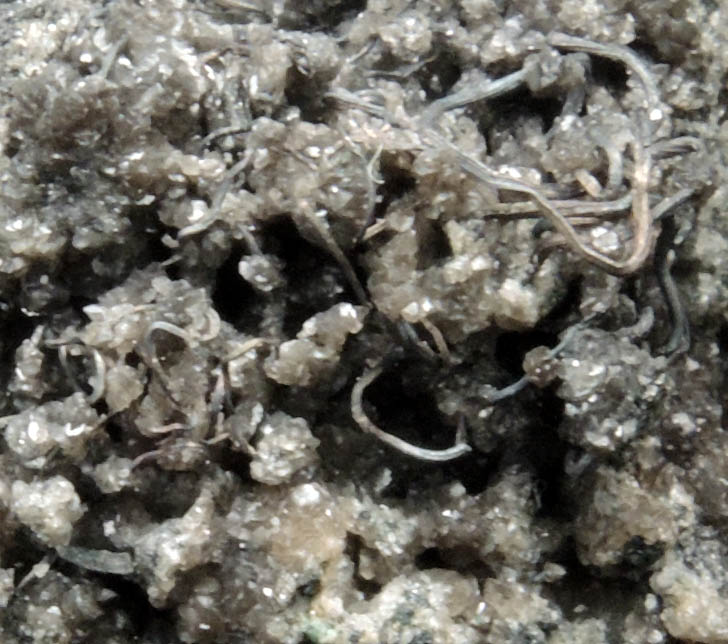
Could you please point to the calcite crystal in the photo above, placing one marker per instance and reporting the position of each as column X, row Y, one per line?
column 49, row 507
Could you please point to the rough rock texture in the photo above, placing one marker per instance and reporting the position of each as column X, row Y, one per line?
column 48, row 507
column 219, row 218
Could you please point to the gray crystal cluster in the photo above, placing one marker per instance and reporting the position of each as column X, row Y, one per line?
column 363, row 321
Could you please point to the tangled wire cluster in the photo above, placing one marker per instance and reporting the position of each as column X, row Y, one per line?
column 565, row 216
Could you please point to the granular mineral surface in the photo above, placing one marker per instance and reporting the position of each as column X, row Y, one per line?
column 363, row 321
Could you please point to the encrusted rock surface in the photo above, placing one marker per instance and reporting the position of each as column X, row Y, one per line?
column 220, row 218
